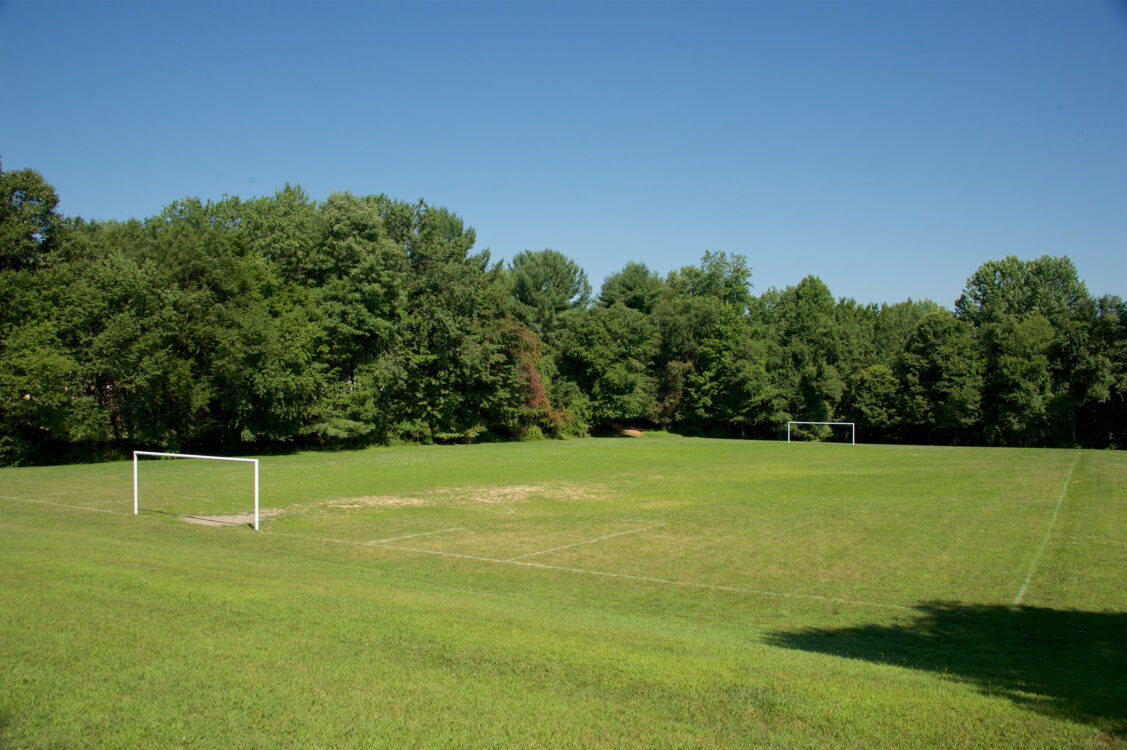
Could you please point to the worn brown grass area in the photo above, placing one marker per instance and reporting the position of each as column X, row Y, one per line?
column 378, row 501
column 242, row 519
column 521, row 493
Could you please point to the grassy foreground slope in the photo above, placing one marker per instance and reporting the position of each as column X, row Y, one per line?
column 660, row 592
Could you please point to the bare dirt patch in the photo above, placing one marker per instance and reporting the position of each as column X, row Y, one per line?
column 632, row 433
column 242, row 519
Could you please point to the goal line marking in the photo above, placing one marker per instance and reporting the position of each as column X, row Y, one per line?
column 608, row 574
column 1048, row 533
column 577, row 544
column 62, row 505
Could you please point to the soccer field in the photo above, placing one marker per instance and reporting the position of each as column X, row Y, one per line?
column 660, row 591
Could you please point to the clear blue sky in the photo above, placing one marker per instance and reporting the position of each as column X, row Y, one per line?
column 888, row 147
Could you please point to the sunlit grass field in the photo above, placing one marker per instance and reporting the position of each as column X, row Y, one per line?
column 652, row 592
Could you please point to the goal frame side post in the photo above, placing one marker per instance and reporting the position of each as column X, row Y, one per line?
column 136, row 484
column 852, row 429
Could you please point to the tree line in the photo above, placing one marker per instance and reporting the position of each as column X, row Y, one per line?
column 247, row 325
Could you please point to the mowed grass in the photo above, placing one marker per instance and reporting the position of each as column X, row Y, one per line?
column 652, row 592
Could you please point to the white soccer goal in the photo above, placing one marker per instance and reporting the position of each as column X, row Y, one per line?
column 137, row 486
column 852, row 429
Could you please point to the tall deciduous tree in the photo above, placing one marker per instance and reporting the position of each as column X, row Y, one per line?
column 720, row 276
column 807, row 352
column 872, row 403
column 28, row 222
column 893, row 325
column 940, row 375
column 1017, row 388
column 711, row 362
column 1046, row 286
column 607, row 352
column 1098, row 377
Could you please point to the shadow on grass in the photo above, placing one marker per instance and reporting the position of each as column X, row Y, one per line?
column 204, row 520
column 1063, row 663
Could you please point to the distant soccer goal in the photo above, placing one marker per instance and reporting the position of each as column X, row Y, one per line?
column 137, row 484
column 850, row 425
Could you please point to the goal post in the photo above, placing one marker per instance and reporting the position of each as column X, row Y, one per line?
column 850, row 425
column 137, row 486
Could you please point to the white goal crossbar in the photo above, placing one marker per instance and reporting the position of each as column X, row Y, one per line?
column 852, row 429
column 189, row 455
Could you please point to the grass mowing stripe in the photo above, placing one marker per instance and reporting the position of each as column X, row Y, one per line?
column 577, row 544
column 64, row 505
column 719, row 587
column 647, row 579
column 1048, row 533
column 609, row 574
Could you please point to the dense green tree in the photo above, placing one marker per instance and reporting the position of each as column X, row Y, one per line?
column 43, row 407
column 719, row 276
column 544, row 286
column 727, row 387
column 1094, row 410
column 894, row 323
column 445, row 355
column 360, row 289
column 807, row 349
column 635, row 287
column 1034, row 323
column 1017, row 387
column 366, row 319
column 940, row 376
column 287, row 230
column 28, row 222
column 1046, row 286
column 872, row 403
column 608, row 352
column 855, row 330
column 468, row 369
column 711, row 361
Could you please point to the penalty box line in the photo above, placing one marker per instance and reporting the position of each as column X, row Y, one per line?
column 586, row 541
column 610, row 574
column 652, row 579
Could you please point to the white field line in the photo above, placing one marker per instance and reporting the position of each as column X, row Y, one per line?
column 64, row 505
column 412, row 536
column 376, row 543
column 115, row 501
column 578, row 544
column 517, row 561
column 622, row 576
column 57, row 496
column 1048, row 533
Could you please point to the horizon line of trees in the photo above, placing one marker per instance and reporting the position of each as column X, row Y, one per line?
column 246, row 325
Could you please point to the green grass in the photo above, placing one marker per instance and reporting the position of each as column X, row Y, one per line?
column 653, row 592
